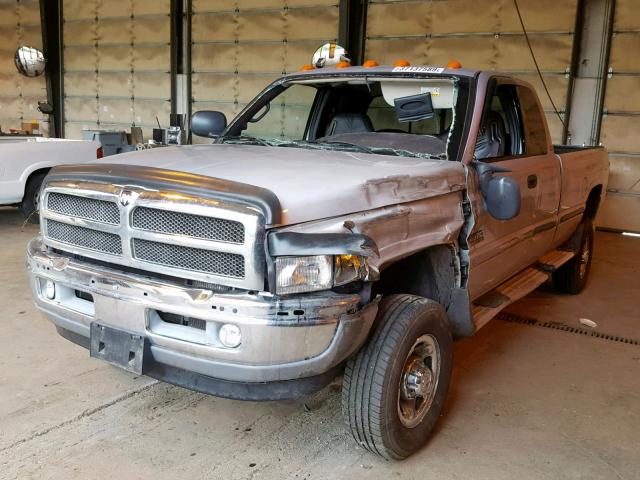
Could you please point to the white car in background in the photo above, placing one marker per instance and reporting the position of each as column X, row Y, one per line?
column 24, row 162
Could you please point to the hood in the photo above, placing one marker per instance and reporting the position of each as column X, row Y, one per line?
column 311, row 184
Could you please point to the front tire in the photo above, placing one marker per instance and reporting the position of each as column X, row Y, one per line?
column 395, row 387
column 31, row 200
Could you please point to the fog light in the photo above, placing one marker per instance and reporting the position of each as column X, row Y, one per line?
column 50, row 290
column 229, row 335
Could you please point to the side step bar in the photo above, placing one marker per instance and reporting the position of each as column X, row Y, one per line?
column 520, row 285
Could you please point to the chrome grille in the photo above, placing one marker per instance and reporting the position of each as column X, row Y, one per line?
column 198, row 226
column 204, row 239
column 88, row 208
column 189, row 258
column 84, row 237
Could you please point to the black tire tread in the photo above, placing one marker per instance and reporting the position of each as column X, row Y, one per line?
column 27, row 208
column 567, row 278
column 363, row 383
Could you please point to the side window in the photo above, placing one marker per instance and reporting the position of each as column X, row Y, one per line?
column 535, row 136
column 512, row 125
column 500, row 133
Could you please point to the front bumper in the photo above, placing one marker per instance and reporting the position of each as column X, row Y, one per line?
column 301, row 338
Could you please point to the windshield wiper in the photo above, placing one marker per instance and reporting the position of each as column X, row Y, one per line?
column 245, row 139
column 347, row 145
column 397, row 152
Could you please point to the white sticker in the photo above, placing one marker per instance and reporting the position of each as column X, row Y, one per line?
column 434, row 91
column 419, row 69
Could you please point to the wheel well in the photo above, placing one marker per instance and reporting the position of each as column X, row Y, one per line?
column 33, row 174
column 432, row 273
column 593, row 202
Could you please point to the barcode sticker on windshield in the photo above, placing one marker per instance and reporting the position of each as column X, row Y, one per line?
column 419, row 69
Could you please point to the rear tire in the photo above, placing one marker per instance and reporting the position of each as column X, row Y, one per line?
column 395, row 387
column 31, row 200
column 572, row 276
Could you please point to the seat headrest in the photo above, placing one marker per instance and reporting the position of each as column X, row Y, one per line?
column 349, row 123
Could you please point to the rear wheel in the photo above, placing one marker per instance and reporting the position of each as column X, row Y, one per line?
column 395, row 387
column 31, row 201
column 572, row 276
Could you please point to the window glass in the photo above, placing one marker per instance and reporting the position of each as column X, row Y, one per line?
column 287, row 116
column 383, row 118
column 534, row 124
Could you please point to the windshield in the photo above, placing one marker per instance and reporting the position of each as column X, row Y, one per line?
column 390, row 116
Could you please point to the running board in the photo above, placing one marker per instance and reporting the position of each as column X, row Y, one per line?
column 490, row 304
column 555, row 259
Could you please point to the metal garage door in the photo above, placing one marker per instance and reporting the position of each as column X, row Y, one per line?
column 620, row 130
column 241, row 46
column 19, row 96
column 484, row 34
column 116, row 64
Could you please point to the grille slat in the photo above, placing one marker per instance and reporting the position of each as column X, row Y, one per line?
column 198, row 226
column 82, row 207
column 189, row 258
column 84, row 237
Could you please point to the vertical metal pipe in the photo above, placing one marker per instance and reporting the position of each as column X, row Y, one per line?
column 52, row 29
column 591, row 48
column 352, row 28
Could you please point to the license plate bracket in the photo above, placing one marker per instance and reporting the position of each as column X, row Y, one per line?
column 118, row 347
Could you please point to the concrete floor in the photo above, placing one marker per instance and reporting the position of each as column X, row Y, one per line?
column 526, row 402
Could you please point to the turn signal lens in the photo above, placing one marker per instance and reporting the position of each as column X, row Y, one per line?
column 348, row 268
column 401, row 63
column 454, row 64
column 343, row 65
column 307, row 67
column 370, row 64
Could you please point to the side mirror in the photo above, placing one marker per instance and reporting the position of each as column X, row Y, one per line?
column 208, row 123
column 501, row 194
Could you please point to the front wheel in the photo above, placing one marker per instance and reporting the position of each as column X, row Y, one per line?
column 395, row 387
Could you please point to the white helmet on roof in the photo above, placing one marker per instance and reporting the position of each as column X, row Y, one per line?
column 328, row 55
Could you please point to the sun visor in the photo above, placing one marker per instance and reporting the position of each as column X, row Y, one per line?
column 443, row 92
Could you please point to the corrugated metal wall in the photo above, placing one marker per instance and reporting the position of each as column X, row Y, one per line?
column 116, row 64
column 620, row 132
column 483, row 34
column 240, row 46
column 19, row 95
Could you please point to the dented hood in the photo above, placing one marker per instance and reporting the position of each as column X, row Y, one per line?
column 311, row 184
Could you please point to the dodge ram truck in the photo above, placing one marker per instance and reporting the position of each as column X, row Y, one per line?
column 350, row 220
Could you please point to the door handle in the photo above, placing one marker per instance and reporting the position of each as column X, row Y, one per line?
column 532, row 181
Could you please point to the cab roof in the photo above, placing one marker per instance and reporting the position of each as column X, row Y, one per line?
column 413, row 70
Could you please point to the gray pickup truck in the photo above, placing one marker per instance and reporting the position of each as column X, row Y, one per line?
column 349, row 220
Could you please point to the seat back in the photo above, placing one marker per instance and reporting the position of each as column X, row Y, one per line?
column 349, row 123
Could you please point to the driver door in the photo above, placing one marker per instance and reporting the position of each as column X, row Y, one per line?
column 513, row 135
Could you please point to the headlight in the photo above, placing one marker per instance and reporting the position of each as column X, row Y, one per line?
column 319, row 272
column 304, row 274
